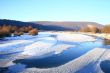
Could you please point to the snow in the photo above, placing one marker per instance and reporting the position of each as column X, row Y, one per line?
column 75, row 37
column 44, row 43
column 61, row 47
column 88, row 62
column 40, row 47
column 13, row 43
column 45, row 46
column 14, row 46
column 48, row 43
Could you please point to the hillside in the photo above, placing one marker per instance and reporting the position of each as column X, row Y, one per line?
column 67, row 25
column 50, row 25
column 19, row 23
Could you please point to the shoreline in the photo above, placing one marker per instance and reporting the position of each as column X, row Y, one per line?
column 100, row 35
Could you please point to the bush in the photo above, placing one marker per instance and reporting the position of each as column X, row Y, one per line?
column 30, row 28
column 94, row 29
column 5, row 31
column 18, row 33
column 106, row 29
column 14, row 28
column 91, row 28
column 85, row 29
column 1, row 34
column 33, row 32
column 25, row 29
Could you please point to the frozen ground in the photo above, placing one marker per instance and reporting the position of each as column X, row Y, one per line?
column 55, row 42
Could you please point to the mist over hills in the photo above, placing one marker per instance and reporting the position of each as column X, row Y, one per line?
column 51, row 25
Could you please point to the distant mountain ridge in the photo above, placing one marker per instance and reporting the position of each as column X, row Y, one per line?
column 51, row 25
column 69, row 25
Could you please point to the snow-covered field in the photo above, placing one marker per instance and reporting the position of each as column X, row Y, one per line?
column 54, row 42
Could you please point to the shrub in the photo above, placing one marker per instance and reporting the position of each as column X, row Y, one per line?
column 14, row 28
column 1, row 34
column 5, row 31
column 30, row 28
column 25, row 29
column 94, row 29
column 91, row 28
column 106, row 29
column 22, row 29
column 33, row 32
column 18, row 33
column 85, row 29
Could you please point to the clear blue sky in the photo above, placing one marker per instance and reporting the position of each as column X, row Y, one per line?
column 56, row 10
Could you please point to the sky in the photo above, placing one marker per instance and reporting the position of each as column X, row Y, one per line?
column 56, row 10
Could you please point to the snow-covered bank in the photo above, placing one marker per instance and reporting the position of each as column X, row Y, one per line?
column 75, row 37
column 86, row 63
column 70, row 36
column 51, row 43
column 40, row 47
column 101, row 35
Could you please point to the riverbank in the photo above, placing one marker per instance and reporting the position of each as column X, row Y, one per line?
column 101, row 35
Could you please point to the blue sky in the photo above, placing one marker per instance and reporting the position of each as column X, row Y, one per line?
column 56, row 10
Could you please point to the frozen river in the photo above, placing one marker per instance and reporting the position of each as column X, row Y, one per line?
column 47, row 52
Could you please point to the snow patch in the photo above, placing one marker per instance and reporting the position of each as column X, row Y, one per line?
column 14, row 43
column 40, row 47
column 75, row 37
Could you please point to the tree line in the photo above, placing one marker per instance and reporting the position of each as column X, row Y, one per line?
column 8, row 30
column 94, row 29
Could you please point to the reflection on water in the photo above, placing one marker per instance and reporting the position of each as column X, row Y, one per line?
column 106, row 42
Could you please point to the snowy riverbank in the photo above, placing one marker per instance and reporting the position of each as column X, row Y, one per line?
column 101, row 35
column 47, row 43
